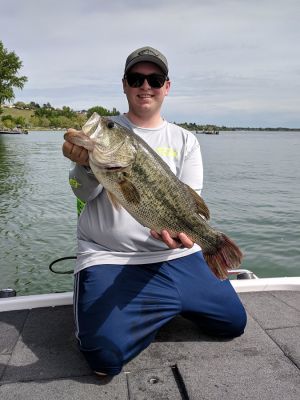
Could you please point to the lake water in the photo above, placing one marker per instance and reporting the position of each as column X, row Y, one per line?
column 251, row 185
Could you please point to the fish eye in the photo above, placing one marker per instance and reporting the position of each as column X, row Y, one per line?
column 110, row 124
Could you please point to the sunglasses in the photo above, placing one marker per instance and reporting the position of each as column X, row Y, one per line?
column 136, row 80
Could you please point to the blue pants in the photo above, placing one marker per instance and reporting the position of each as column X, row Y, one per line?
column 119, row 309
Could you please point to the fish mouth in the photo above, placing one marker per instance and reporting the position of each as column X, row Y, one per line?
column 113, row 168
column 110, row 167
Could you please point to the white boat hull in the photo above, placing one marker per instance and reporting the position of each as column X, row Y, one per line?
column 62, row 299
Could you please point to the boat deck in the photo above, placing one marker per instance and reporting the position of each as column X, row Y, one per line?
column 39, row 358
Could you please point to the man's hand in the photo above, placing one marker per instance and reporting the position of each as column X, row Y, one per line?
column 75, row 153
column 182, row 239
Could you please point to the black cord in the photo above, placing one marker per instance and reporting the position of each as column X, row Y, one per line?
column 61, row 259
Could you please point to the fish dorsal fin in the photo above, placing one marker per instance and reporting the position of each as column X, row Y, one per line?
column 113, row 200
column 200, row 204
column 129, row 191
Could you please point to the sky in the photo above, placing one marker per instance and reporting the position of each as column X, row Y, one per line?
column 231, row 62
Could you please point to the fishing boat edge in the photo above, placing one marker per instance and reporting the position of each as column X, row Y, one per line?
column 66, row 298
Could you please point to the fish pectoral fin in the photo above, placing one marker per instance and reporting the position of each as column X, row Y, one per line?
column 114, row 201
column 129, row 191
column 200, row 203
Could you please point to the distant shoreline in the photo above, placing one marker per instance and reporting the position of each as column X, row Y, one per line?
column 214, row 128
column 262, row 129
column 27, row 114
column 42, row 129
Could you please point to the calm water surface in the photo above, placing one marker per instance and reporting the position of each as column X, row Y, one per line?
column 251, row 185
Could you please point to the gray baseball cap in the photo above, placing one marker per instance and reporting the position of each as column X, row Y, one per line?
column 148, row 54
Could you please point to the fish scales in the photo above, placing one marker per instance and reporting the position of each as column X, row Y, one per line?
column 162, row 204
column 136, row 177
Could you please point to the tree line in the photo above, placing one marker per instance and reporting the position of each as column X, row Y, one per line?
column 48, row 117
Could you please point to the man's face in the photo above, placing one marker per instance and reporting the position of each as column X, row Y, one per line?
column 145, row 100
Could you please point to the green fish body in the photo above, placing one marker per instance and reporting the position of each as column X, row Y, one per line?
column 136, row 178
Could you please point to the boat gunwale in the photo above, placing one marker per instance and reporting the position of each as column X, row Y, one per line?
column 66, row 298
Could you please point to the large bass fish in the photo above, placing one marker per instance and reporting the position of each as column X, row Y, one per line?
column 138, row 179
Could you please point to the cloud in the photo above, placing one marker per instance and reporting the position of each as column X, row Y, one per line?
column 231, row 61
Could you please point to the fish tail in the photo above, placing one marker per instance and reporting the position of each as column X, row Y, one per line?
column 227, row 256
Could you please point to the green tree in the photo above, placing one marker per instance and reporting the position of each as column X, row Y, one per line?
column 33, row 105
column 67, row 112
column 20, row 121
column 48, row 106
column 34, row 121
column 44, row 122
column 9, row 67
column 20, row 104
column 79, row 121
column 102, row 111
column 8, row 122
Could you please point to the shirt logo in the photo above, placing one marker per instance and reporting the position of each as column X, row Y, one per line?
column 147, row 52
column 74, row 183
column 166, row 152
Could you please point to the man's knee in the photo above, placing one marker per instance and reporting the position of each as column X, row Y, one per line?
column 232, row 323
column 103, row 360
column 236, row 323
